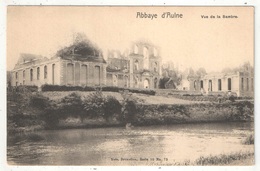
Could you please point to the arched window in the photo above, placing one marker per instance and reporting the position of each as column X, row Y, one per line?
column 146, row 58
column 31, row 74
column 126, row 81
column 155, row 82
column 53, row 73
column 219, row 85
column 45, row 72
column 247, row 84
column 70, row 74
column 201, row 84
column 146, row 83
column 16, row 75
column 210, row 85
column 97, row 75
column 252, row 84
column 77, row 73
column 242, row 83
column 229, row 84
column 195, row 85
column 136, row 82
column 38, row 73
column 84, row 74
column 23, row 74
column 155, row 67
column 136, row 65
column 115, row 80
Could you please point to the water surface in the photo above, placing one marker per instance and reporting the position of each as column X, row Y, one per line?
column 153, row 145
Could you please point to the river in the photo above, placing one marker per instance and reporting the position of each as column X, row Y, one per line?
column 150, row 145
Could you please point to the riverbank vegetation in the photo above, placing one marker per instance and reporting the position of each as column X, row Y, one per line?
column 249, row 139
column 226, row 159
column 48, row 87
column 29, row 110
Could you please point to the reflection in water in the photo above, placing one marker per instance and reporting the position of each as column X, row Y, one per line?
column 175, row 143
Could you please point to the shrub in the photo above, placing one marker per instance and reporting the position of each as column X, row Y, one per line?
column 47, row 87
column 93, row 104
column 111, row 107
column 129, row 108
column 249, row 140
column 222, row 159
column 39, row 101
column 72, row 103
column 23, row 89
column 232, row 98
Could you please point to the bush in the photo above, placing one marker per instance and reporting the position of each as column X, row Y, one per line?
column 93, row 104
column 232, row 98
column 129, row 108
column 249, row 140
column 111, row 107
column 39, row 101
column 47, row 87
column 72, row 104
column 98, row 105
column 112, row 89
column 23, row 89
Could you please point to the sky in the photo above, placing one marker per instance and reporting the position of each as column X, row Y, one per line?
column 190, row 41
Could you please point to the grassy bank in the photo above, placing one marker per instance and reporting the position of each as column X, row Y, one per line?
column 29, row 111
column 227, row 159
column 233, row 159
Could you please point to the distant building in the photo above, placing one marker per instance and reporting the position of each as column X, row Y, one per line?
column 240, row 81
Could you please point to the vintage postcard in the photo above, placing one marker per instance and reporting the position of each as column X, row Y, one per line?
column 130, row 86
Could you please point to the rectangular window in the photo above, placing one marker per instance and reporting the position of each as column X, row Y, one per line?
column 229, row 84
column 252, row 84
column 219, row 84
column 45, row 72
column 31, row 74
column 247, row 84
column 242, row 83
column 38, row 73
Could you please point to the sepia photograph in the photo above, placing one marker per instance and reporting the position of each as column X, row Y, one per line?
column 130, row 86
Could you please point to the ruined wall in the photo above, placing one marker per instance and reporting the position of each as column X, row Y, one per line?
column 35, row 74
column 79, row 73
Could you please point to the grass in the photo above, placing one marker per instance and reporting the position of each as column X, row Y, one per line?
column 249, row 140
column 147, row 99
column 223, row 159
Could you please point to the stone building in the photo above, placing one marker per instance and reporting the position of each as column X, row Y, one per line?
column 72, row 69
column 239, row 81
column 117, row 69
column 85, row 66
column 138, row 68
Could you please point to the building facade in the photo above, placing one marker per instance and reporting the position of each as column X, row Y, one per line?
column 70, row 70
column 240, row 82
column 138, row 68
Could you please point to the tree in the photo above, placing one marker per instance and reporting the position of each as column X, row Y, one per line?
column 162, row 82
column 111, row 107
column 93, row 104
column 81, row 46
